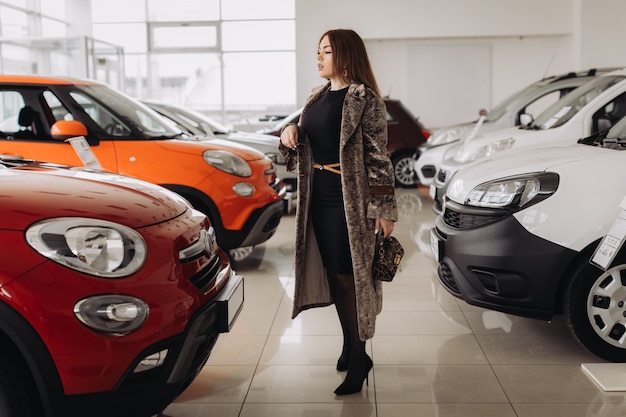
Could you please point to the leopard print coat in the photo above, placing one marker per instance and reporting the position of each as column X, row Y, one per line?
column 368, row 193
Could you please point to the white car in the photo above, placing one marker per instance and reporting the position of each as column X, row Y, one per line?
column 517, row 234
column 589, row 109
column 531, row 100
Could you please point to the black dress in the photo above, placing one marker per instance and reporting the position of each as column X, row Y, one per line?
column 322, row 124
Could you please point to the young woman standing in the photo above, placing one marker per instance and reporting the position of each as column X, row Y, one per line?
column 345, row 195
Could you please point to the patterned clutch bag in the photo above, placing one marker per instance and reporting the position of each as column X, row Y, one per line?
column 387, row 257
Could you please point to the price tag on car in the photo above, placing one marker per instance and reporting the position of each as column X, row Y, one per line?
column 612, row 242
column 84, row 152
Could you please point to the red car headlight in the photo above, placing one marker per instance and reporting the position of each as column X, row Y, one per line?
column 95, row 247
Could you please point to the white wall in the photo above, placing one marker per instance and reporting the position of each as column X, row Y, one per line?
column 602, row 32
column 528, row 39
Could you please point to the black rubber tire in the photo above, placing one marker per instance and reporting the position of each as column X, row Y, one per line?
column 403, row 170
column 594, row 313
column 17, row 390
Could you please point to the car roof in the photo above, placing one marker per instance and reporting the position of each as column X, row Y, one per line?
column 591, row 72
column 44, row 80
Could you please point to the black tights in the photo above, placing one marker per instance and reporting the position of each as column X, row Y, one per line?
column 344, row 294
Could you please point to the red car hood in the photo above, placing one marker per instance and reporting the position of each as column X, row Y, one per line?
column 38, row 191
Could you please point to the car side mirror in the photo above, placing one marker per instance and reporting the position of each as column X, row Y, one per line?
column 525, row 119
column 65, row 129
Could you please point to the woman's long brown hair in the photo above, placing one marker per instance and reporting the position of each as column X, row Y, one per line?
column 350, row 57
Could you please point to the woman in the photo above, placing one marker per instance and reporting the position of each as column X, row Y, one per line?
column 345, row 195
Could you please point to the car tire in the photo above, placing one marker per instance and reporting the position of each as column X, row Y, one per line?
column 17, row 398
column 595, row 308
column 403, row 170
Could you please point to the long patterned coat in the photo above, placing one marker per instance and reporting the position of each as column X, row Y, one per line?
column 368, row 193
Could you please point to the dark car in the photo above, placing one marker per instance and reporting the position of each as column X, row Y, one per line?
column 114, row 292
column 406, row 134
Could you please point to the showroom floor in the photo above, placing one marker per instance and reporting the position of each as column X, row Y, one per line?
column 434, row 355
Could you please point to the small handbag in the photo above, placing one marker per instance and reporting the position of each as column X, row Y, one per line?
column 387, row 257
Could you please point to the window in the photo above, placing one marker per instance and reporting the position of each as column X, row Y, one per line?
column 10, row 104
column 183, row 36
column 13, row 22
column 117, row 11
column 183, row 10
column 131, row 36
column 272, row 35
column 103, row 118
column 255, row 9
column 227, row 58
column 59, row 111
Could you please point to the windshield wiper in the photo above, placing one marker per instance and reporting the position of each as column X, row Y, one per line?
column 594, row 140
column 165, row 137
column 614, row 141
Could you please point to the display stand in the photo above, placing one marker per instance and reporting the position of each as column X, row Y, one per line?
column 608, row 376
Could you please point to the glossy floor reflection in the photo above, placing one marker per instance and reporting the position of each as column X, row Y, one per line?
column 434, row 355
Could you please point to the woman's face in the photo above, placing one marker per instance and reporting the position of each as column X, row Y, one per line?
column 325, row 65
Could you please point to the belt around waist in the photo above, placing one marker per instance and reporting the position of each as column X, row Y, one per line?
column 334, row 167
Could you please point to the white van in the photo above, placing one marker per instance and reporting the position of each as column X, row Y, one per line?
column 532, row 100
column 589, row 109
column 518, row 231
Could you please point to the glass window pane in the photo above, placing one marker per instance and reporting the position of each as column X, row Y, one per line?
column 117, row 11
column 196, row 84
column 103, row 118
column 257, row 9
column 135, row 69
column 53, row 28
column 184, row 37
column 10, row 104
column 168, row 10
column 258, row 36
column 271, row 84
column 20, row 3
column 13, row 23
column 59, row 111
column 53, row 8
column 131, row 36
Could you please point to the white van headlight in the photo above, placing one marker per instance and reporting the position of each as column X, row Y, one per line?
column 514, row 192
column 470, row 155
column 447, row 136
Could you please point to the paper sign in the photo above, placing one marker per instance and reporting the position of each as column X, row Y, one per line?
column 86, row 155
column 611, row 243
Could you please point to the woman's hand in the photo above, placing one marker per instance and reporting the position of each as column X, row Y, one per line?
column 386, row 225
column 289, row 136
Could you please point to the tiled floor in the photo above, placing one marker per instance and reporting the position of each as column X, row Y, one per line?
column 434, row 355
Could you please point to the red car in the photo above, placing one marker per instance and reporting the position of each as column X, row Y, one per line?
column 406, row 133
column 113, row 293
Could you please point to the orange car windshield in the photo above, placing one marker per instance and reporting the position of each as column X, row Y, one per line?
column 122, row 115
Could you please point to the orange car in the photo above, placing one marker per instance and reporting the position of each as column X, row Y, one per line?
column 235, row 186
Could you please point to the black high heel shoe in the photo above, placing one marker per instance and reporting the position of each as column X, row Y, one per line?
column 356, row 386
